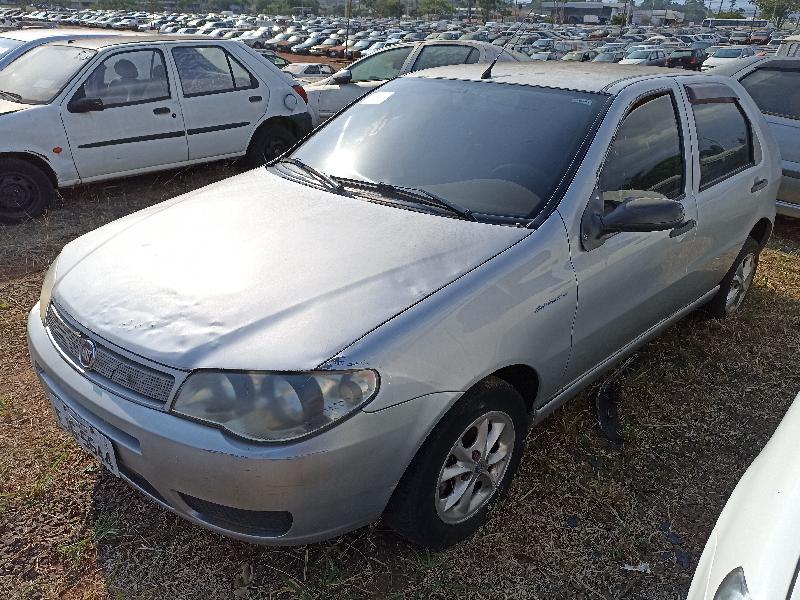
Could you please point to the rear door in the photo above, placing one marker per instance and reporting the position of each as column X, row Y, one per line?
column 730, row 176
column 141, row 124
column 222, row 100
column 775, row 87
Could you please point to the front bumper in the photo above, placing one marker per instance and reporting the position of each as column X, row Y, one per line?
column 284, row 494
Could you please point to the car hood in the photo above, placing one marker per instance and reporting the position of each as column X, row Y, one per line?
column 8, row 107
column 632, row 61
column 256, row 272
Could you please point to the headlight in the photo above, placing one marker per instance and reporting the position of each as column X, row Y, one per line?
column 47, row 290
column 733, row 587
column 274, row 407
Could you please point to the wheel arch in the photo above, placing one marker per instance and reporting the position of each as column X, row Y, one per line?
column 284, row 121
column 35, row 160
column 761, row 231
column 524, row 379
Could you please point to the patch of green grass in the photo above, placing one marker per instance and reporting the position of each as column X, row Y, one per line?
column 75, row 550
column 46, row 478
column 106, row 526
column 6, row 408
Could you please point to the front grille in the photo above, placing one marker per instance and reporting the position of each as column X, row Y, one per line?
column 109, row 365
column 265, row 523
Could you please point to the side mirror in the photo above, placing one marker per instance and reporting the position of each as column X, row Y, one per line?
column 643, row 214
column 637, row 212
column 343, row 76
column 84, row 105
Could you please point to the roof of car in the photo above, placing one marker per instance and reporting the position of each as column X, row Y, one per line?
column 557, row 74
column 96, row 43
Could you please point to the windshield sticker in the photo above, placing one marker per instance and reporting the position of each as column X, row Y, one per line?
column 583, row 101
column 377, row 98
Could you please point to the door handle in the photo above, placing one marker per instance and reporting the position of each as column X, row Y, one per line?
column 681, row 229
column 162, row 110
column 759, row 184
column 255, row 98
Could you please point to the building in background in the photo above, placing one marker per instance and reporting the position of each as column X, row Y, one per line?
column 585, row 12
column 657, row 17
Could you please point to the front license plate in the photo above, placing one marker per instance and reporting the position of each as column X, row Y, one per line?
column 91, row 440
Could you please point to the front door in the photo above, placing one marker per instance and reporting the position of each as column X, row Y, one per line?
column 140, row 124
column 222, row 101
column 632, row 280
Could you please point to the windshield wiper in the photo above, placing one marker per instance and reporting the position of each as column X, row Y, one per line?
column 11, row 95
column 416, row 195
column 327, row 181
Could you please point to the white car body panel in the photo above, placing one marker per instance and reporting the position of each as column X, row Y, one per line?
column 759, row 528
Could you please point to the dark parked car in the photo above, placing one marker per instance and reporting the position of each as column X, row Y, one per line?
column 686, row 58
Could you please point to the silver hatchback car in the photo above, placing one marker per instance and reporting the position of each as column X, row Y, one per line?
column 369, row 326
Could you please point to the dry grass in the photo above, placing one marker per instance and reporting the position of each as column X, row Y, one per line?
column 697, row 406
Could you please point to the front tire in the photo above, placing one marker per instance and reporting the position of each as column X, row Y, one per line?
column 737, row 282
column 464, row 467
column 26, row 191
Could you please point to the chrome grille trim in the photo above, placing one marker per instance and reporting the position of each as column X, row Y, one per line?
column 109, row 366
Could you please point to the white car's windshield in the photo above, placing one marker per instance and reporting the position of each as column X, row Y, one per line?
column 639, row 54
column 482, row 167
column 39, row 75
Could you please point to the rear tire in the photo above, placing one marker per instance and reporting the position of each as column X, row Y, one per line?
column 737, row 282
column 464, row 467
column 26, row 191
column 269, row 142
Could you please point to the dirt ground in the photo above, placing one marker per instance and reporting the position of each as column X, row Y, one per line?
column 697, row 406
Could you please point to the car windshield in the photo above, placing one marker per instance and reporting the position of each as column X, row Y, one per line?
column 482, row 167
column 639, row 54
column 7, row 44
column 39, row 75
column 728, row 53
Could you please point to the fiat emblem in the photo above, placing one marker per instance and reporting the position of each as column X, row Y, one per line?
column 87, row 353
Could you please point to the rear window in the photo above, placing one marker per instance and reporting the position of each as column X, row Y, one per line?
column 727, row 53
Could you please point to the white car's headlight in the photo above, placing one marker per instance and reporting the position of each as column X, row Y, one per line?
column 733, row 587
column 47, row 290
column 274, row 407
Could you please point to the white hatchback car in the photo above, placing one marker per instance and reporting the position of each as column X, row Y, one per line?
column 85, row 110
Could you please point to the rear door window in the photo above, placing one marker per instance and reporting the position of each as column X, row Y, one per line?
column 384, row 65
column 724, row 139
column 776, row 91
column 210, row 70
column 442, row 55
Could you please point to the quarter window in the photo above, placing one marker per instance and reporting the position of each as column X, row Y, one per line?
column 381, row 66
column 128, row 78
column 724, row 139
column 776, row 91
column 210, row 70
column 441, row 55
column 646, row 155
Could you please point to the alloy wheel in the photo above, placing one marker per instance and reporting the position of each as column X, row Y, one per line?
column 474, row 467
column 741, row 282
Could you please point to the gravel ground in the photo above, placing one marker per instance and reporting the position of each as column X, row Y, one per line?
column 697, row 405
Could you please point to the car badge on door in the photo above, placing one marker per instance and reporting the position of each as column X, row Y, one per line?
column 87, row 354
